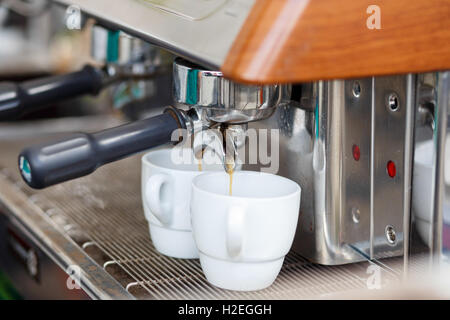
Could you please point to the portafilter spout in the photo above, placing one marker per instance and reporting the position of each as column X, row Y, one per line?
column 224, row 141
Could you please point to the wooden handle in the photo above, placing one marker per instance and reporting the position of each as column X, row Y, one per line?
column 288, row 41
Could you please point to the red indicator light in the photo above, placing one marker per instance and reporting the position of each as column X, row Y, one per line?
column 356, row 152
column 391, row 169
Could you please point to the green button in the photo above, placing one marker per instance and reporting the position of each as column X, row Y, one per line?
column 25, row 168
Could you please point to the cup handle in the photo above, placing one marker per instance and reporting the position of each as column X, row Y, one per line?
column 235, row 230
column 163, row 212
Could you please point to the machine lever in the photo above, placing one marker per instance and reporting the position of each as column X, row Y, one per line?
column 78, row 155
column 16, row 99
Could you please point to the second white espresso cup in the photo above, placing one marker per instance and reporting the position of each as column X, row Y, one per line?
column 243, row 239
column 166, row 193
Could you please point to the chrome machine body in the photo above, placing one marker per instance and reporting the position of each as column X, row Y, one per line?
column 350, row 145
column 337, row 146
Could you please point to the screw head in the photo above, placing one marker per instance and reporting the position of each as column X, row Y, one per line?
column 393, row 102
column 391, row 236
column 356, row 215
column 356, row 89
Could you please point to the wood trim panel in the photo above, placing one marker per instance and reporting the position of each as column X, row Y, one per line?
column 304, row 40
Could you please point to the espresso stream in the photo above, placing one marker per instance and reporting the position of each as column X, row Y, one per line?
column 230, row 169
column 200, row 159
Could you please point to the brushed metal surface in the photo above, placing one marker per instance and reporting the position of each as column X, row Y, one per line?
column 221, row 100
column 356, row 193
column 347, row 204
column 441, row 193
column 389, row 143
column 205, row 40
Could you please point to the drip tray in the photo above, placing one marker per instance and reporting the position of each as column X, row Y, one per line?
column 101, row 219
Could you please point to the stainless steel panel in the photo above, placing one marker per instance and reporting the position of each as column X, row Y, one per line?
column 389, row 144
column 348, row 203
column 441, row 192
column 205, row 40
column 431, row 221
column 356, row 193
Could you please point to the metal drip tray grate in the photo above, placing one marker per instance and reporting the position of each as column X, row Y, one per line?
column 102, row 214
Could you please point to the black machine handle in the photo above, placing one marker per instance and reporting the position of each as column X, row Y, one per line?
column 81, row 154
column 17, row 99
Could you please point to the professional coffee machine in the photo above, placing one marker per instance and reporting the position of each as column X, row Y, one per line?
column 349, row 143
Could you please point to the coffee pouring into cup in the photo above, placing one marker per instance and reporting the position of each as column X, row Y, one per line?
column 243, row 238
column 167, row 176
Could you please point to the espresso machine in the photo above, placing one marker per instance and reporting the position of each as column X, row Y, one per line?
column 348, row 143
column 350, row 113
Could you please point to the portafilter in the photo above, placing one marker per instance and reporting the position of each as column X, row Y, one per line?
column 204, row 99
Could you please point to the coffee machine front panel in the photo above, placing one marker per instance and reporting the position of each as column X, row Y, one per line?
column 348, row 154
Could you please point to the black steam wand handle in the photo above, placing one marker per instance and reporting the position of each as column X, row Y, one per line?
column 17, row 99
column 81, row 154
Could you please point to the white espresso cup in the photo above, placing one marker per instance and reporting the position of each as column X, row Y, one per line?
column 166, row 193
column 243, row 239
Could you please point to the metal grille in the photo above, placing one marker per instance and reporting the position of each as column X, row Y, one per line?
column 102, row 213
